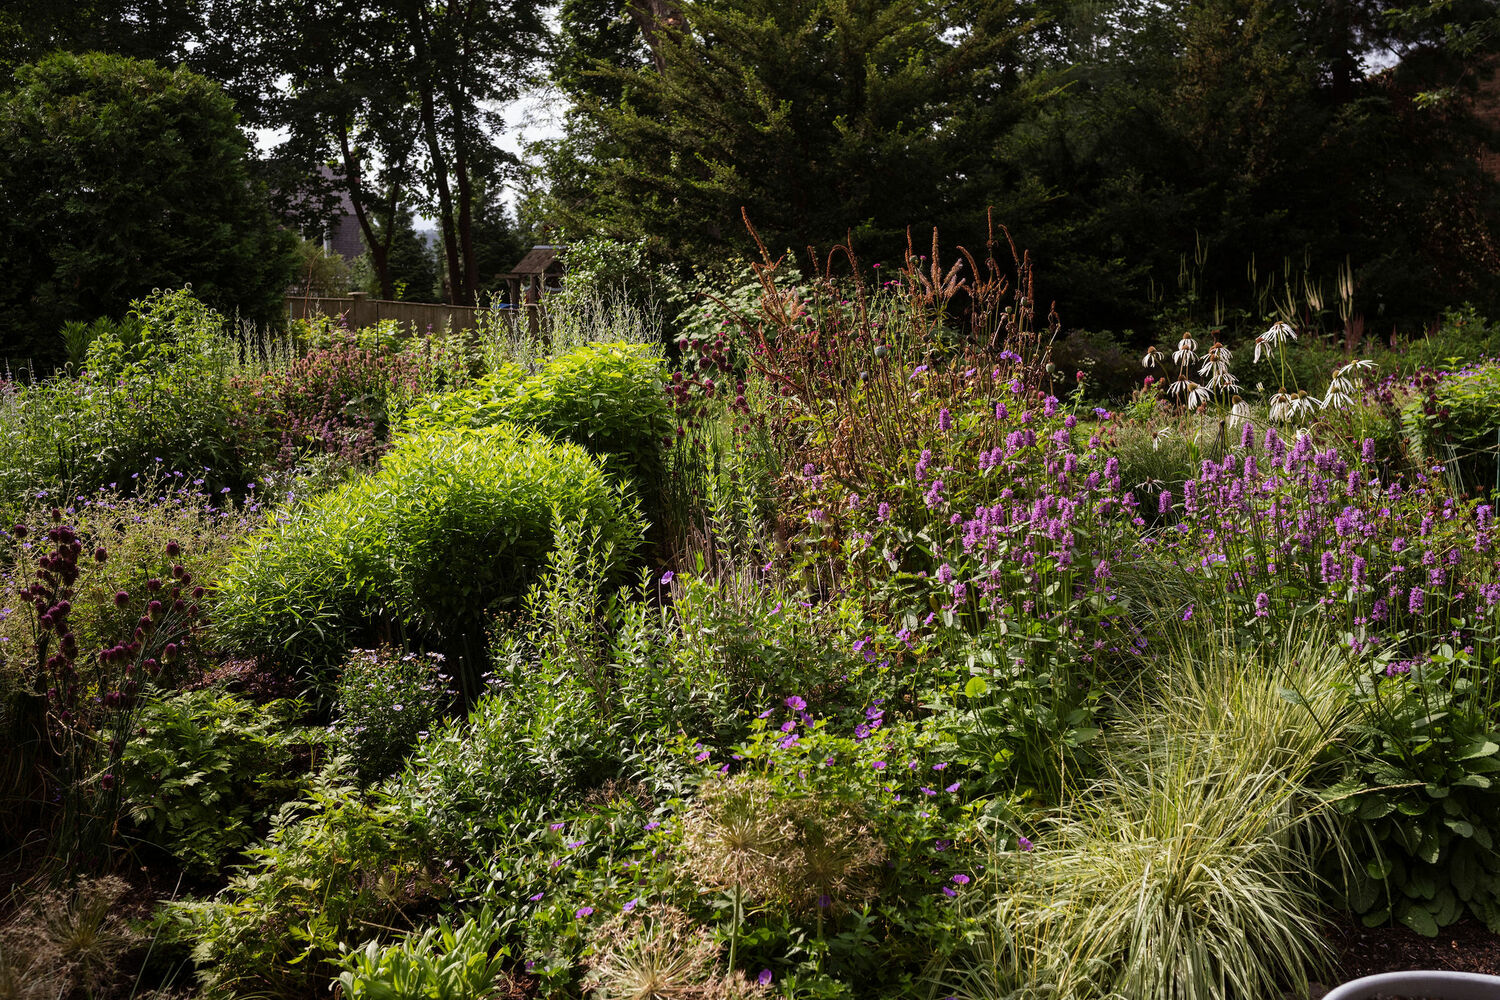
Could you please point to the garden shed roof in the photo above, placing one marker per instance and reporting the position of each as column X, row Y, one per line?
column 541, row 260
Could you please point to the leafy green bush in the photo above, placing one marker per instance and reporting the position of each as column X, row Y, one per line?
column 455, row 525
column 299, row 591
column 335, row 865
column 160, row 195
column 606, row 397
column 386, row 701
column 154, row 398
column 531, row 739
column 207, row 768
column 1451, row 418
column 1420, row 794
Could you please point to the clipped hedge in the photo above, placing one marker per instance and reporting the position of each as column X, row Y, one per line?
column 607, row 398
column 456, row 523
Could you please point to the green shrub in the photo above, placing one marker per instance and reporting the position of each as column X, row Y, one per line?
column 533, row 738
column 1419, row 793
column 386, row 701
column 607, row 398
column 1451, row 418
column 207, row 768
column 333, row 867
column 455, row 525
column 156, row 396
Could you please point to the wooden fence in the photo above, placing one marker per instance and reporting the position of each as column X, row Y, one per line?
column 359, row 311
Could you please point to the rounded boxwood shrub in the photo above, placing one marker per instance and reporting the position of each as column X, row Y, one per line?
column 606, row 397
column 456, row 523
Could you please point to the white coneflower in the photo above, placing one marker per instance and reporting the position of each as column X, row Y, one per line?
column 1239, row 412
column 1304, row 406
column 1187, row 351
column 1197, row 396
column 1152, row 358
column 1160, row 435
column 1279, row 333
column 1216, row 367
column 1339, row 394
column 1281, row 408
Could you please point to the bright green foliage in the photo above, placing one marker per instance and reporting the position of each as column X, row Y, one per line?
column 333, row 866
column 441, row 963
column 1420, row 791
column 605, row 397
column 208, row 768
column 299, row 591
column 117, row 177
column 157, row 398
column 454, row 526
column 1455, row 420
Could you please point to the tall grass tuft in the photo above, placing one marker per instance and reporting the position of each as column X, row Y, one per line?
column 1182, row 873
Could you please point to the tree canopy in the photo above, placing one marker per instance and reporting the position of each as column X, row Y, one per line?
column 117, row 177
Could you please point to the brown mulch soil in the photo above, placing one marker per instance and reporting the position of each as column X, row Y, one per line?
column 1467, row 946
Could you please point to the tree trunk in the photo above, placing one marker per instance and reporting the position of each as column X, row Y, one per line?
column 435, row 150
column 379, row 250
column 654, row 17
column 466, row 227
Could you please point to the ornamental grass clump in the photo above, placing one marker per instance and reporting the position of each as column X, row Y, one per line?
column 64, row 943
column 1186, row 870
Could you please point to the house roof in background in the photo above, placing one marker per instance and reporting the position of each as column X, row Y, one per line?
column 542, row 259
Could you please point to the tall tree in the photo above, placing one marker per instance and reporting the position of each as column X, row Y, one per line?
column 816, row 116
column 467, row 57
column 117, row 177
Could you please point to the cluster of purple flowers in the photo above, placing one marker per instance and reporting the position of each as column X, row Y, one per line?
column 1278, row 521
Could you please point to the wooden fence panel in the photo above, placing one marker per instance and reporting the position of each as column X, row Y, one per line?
column 359, row 311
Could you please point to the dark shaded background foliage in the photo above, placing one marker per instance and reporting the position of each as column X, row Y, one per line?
column 1160, row 160
column 1119, row 141
column 117, row 177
